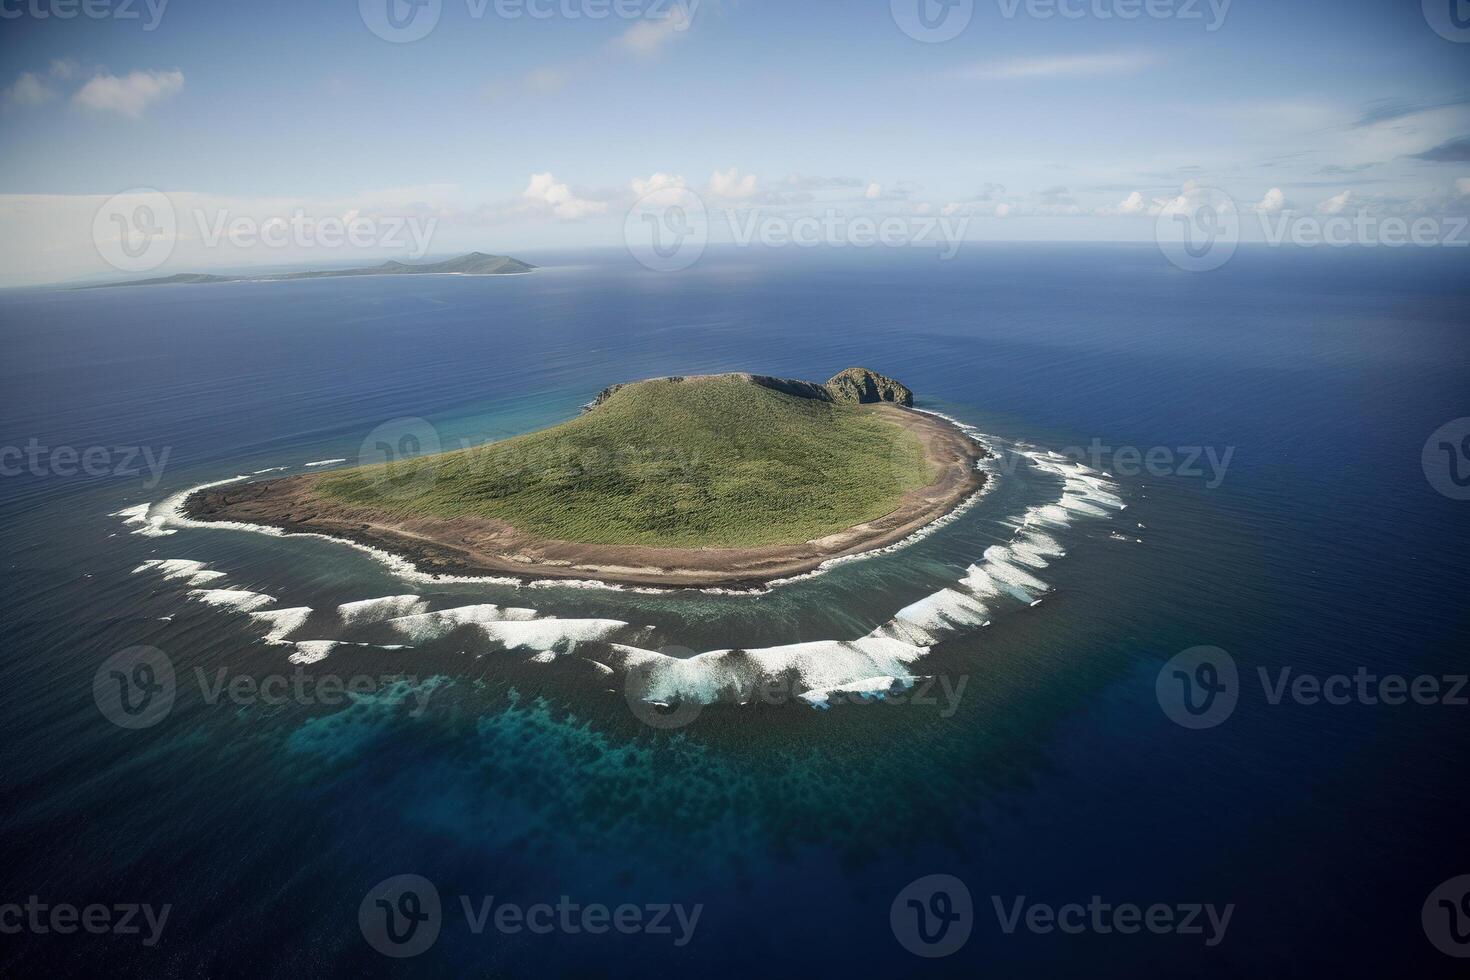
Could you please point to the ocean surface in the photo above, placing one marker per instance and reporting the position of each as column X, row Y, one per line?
column 1284, row 519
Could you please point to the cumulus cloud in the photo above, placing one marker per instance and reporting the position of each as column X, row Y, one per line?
column 874, row 191
column 656, row 182
column 1273, row 203
column 1133, row 204
column 547, row 192
column 28, row 90
column 129, row 94
column 1335, row 204
column 732, row 185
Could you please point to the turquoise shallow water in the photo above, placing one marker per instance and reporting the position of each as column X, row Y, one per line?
column 1045, row 766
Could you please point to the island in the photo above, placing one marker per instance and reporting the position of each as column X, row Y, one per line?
column 723, row 480
column 471, row 264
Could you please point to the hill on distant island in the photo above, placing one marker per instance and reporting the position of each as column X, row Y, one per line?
column 472, row 264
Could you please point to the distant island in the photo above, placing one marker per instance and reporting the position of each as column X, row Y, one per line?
column 472, row 264
column 712, row 480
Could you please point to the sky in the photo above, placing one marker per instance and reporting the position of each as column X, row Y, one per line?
column 441, row 126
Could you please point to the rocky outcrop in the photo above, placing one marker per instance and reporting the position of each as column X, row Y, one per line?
column 860, row 385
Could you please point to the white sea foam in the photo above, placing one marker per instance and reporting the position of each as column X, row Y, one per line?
column 367, row 611
column 282, row 622
column 232, row 598
column 312, row 651
column 422, row 627
column 325, row 462
column 731, row 674
column 192, row 572
column 550, row 635
column 144, row 522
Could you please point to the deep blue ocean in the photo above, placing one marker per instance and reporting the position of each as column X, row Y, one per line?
column 1319, row 544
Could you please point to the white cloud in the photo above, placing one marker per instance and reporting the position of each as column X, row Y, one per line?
column 647, row 37
column 1335, row 204
column 1059, row 66
column 63, row 68
column 1132, row 204
column 657, row 182
column 1002, row 209
column 874, row 191
column 129, row 94
column 28, row 90
column 1462, row 187
column 1273, row 203
column 546, row 191
column 732, row 185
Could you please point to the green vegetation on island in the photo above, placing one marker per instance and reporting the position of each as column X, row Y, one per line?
column 718, row 461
